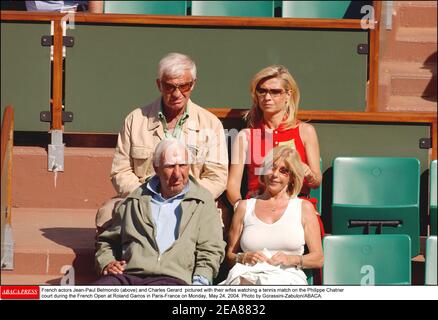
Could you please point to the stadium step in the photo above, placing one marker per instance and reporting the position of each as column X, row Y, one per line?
column 414, row 79
column 50, row 243
column 407, row 70
column 409, row 104
column 417, row 13
column 84, row 184
column 413, row 45
column 407, row 86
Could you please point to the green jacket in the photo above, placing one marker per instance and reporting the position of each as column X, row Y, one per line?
column 198, row 250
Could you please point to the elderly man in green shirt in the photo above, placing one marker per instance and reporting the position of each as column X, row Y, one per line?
column 171, row 115
column 165, row 232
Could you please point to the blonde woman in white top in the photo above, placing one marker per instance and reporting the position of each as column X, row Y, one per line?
column 268, row 233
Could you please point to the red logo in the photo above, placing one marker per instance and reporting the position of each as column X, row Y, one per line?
column 19, row 292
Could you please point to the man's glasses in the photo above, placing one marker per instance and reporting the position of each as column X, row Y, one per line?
column 182, row 87
column 272, row 92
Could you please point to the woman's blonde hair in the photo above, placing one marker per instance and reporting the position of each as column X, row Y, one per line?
column 292, row 162
column 255, row 115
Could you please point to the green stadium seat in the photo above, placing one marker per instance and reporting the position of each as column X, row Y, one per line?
column 377, row 195
column 315, row 9
column 317, row 193
column 383, row 259
column 146, row 7
column 432, row 202
column 309, row 274
column 233, row 8
column 431, row 256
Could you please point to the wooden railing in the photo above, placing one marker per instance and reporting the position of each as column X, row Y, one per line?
column 144, row 19
column 7, row 134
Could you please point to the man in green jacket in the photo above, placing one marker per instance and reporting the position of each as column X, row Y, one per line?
column 166, row 232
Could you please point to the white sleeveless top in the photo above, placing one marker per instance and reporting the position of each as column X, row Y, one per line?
column 286, row 234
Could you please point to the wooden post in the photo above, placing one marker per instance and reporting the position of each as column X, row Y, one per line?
column 7, row 138
column 57, row 76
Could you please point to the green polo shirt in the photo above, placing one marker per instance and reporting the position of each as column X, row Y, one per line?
column 176, row 133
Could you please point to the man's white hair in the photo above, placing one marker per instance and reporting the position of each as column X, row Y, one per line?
column 165, row 144
column 174, row 65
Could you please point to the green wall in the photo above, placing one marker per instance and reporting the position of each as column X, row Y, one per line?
column 25, row 73
column 371, row 140
column 112, row 69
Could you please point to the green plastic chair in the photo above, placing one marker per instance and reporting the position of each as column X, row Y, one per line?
column 383, row 259
column 431, row 256
column 432, row 202
column 315, row 9
column 317, row 193
column 146, row 7
column 377, row 195
column 233, row 8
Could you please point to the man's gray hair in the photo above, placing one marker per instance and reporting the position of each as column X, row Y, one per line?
column 175, row 64
column 166, row 144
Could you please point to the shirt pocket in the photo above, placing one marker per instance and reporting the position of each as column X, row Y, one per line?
column 142, row 160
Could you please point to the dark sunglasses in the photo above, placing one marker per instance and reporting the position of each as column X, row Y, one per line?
column 182, row 87
column 272, row 92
